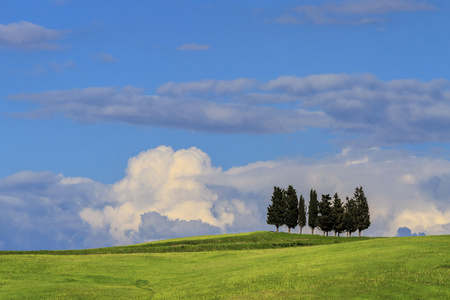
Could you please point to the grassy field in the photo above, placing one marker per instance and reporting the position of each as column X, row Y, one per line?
column 381, row 268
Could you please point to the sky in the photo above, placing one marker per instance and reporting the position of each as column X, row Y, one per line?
column 131, row 121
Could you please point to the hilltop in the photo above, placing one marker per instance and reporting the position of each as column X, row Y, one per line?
column 240, row 241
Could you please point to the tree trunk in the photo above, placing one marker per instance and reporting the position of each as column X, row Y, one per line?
column 312, row 230
column 350, row 234
column 335, row 233
column 359, row 233
column 289, row 229
column 327, row 233
column 277, row 228
column 301, row 229
column 323, row 233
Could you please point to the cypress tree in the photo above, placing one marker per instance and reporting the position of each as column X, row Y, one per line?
column 277, row 210
column 326, row 214
column 313, row 211
column 350, row 216
column 291, row 219
column 338, row 215
column 363, row 210
column 301, row 213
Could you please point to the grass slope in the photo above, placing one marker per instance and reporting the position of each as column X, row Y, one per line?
column 392, row 268
column 241, row 241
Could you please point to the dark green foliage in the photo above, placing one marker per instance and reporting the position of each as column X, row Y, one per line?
column 287, row 209
column 276, row 212
column 363, row 221
column 301, row 213
column 313, row 211
column 338, row 215
column 350, row 216
column 291, row 219
column 326, row 221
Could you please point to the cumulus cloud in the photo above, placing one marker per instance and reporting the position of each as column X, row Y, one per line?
column 392, row 182
column 163, row 181
column 40, row 210
column 194, row 47
column 26, row 35
column 377, row 112
column 168, row 193
column 160, row 197
column 352, row 12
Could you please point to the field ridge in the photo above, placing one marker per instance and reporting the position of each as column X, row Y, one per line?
column 221, row 242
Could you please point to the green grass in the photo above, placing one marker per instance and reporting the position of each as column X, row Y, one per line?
column 381, row 268
column 241, row 241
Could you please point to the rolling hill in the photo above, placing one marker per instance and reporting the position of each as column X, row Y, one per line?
column 236, row 266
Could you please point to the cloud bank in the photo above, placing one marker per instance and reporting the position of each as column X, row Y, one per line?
column 377, row 112
column 194, row 113
column 29, row 36
column 168, row 193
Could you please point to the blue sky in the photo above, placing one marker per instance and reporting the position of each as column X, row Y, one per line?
column 217, row 102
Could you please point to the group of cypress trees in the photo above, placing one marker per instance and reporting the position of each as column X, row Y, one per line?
column 327, row 215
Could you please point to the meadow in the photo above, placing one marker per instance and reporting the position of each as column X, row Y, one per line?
column 258, row 265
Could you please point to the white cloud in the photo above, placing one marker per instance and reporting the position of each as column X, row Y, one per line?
column 378, row 112
column 26, row 35
column 109, row 104
column 207, row 87
column 396, row 111
column 429, row 219
column 352, row 12
column 194, row 47
column 40, row 210
column 163, row 181
column 394, row 201
column 313, row 84
column 169, row 193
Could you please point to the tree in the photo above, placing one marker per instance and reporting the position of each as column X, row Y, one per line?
column 313, row 211
column 277, row 210
column 301, row 213
column 291, row 217
column 350, row 216
column 326, row 221
column 363, row 210
column 338, row 215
